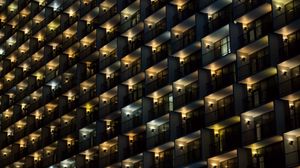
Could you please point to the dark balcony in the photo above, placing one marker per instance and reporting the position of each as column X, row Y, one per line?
column 188, row 95
column 158, row 139
column 109, row 159
column 245, row 6
column 288, row 13
column 136, row 145
column 290, row 46
column 224, row 110
column 232, row 163
column 221, row 78
column 154, row 6
column 291, row 85
column 164, row 160
column 255, row 63
column 191, row 122
column 256, row 29
column 106, row 14
column 111, row 130
column 219, row 19
column 265, row 127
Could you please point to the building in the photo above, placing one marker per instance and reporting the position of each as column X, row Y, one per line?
column 149, row 83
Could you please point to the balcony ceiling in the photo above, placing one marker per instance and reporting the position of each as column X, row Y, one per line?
column 265, row 142
column 216, row 6
column 254, row 14
column 259, row 110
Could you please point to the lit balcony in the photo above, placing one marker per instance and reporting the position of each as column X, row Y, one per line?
column 111, row 27
column 158, row 131
column 159, row 47
column 162, row 156
column 219, row 106
column 250, row 8
column 184, row 33
column 285, row 12
column 267, row 153
column 229, row 159
column 185, row 8
column 254, row 58
column 218, row 13
column 135, row 88
column 290, row 41
column 108, row 152
column 157, row 77
column 162, row 102
column 188, row 150
column 289, row 77
column 155, row 24
column 134, row 161
column 192, row 118
column 108, row 54
column 217, row 46
column 89, row 157
column 111, row 76
column 221, row 136
column 130, row 16
column 188, row 59
column 136, row 141
column 131, row 64
column 254, row 28
column 110, row 126
column 185, row 90
column 134, row 37
column 291, row 148
column 261, row 88
column 258, row 124
column 109, row 101
column 132, row 116
column 292, row 112
column 87, row 137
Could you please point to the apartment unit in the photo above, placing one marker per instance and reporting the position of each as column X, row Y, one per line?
column 149, row 83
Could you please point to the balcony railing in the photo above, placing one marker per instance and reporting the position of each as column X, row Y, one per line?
column 158, row 139
column 131, row 71
column 133, row 122
column 220, row 113
column 187, row 97
column 187, row 158
column 256, row 134
column 159, row 110
column 290, row 13
column 134, row 95
column 156, row 84
column 246, row 6
column 108, row 159
column 289, row 86
column 220, row 81
column 292, row 158
column 156, row 29
column 157, row 57
column 254, row 66
column 290, row 48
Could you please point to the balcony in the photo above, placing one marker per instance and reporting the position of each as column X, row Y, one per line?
column 131, row 69
column 188, row 150
column 109, row 106
column 264, row 126
column 229, row 159
column 135, row 93
column 242, row 7
column 254, row 63
column 136, row 145
column 290, row 84
column 286, row 13
column 219, row 19
column 161, row 106
column 158, row 131
column 187, row 91
column 290, row 46
column 293, row 115
column 155, row 24
column 221, row 78
column 109, row 159
column 261, row 92
column 223, row 140
column 132, row 120
column 256, row 29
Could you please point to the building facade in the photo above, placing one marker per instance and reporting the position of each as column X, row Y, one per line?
column 149, row 83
